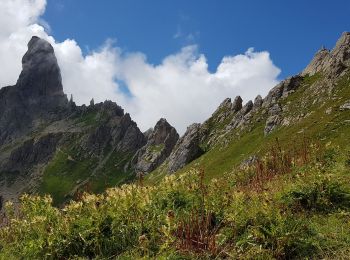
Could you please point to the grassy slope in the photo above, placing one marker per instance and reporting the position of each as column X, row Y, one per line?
column 62, row 174
column 317, row 126
column 70, row 171
column 302, row 213
column 65, row 173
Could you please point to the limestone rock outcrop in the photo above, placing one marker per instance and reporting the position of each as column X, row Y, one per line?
column 331, row 62
column 187, row 148
column 160, row 143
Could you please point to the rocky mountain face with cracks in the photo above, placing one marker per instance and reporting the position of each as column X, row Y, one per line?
column 160, row 142
column 50, row 145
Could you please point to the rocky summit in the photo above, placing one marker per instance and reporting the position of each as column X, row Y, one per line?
column 37, row 96
column 160, row 143
column 50, row 145
column 41, row 77
column 331, row 62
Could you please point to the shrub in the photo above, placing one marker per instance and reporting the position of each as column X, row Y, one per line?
column 322, row 196
column 282, row 237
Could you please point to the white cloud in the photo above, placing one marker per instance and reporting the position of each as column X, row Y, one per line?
column 184, row 91
column 180, row 89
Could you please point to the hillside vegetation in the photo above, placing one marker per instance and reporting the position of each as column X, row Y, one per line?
column 291, row 203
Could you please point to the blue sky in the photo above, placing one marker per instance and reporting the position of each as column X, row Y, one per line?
column 173, row 59
column 292, row 31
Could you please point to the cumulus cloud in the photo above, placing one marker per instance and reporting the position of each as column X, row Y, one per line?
column 180, row 88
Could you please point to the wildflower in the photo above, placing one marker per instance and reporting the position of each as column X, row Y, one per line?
column 143, row 240
column 9, row 204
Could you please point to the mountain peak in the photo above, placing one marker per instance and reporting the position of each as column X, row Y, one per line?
column 160, row 142
column 331, row 62
column 41, row 75
column 344, row 40
column 37, row 96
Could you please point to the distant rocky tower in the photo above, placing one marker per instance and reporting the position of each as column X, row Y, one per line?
column 40, row 79
column 37, row 96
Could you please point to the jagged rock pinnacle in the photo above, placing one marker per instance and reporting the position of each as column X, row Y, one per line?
column 40, row 74
column 160, row 143
column 37, row 96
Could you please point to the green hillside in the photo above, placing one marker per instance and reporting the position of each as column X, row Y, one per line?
column 291, row 204
column 315, row 125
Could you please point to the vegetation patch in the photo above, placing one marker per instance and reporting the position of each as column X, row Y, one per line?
column 321, row 195
column 302, row 212
column 63, row 173
column 156, row 148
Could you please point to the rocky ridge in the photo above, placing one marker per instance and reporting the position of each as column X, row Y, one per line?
column 41, row 130
column 231, row 119
column 331, row 62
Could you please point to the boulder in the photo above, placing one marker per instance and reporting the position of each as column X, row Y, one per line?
column 345, row 106
column 258, row 101
column 271, row 123
column 237, row 104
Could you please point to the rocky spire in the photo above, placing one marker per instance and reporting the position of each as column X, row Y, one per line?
column 341, row 51
column 40, row 74
column 38, row 94
column 237, row 104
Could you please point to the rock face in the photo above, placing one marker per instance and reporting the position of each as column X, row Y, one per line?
column 40, row 80
column 237, row 104
column 37, row 96
column 331, row 62
column 187, row 148
column 258, row 101
column 241, row 116
column 32, row 152
column 283, row 89
column 160, row 143
column 270, row 102
column 116, row 130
